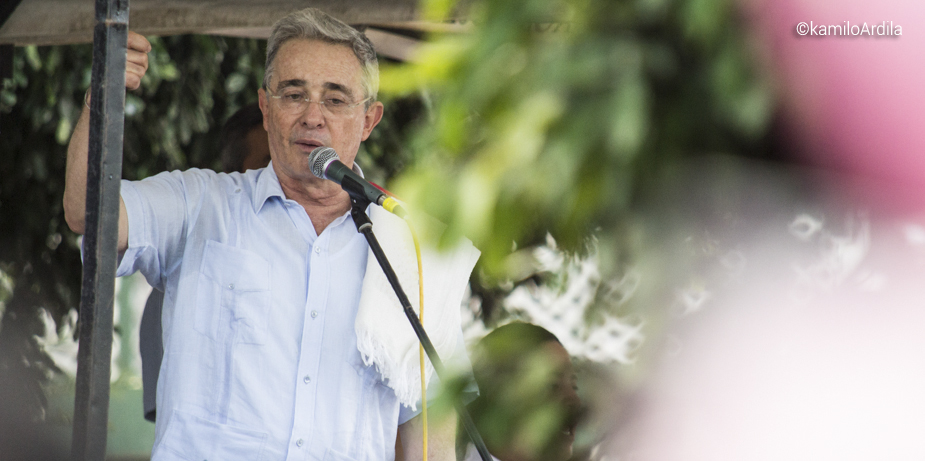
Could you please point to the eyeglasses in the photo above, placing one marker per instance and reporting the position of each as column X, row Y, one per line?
column 296, row 101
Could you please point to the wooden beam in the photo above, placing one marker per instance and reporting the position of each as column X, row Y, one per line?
column 52, row 22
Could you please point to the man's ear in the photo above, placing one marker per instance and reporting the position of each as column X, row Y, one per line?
column 263, row 102
column 372, row 118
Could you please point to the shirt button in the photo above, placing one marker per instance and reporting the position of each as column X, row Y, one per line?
column 231, row 286
column 299, row 443
column 314, row 314
column 307, row 379
column 317, row 250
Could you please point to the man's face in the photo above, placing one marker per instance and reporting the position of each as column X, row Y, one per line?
column 318, row 70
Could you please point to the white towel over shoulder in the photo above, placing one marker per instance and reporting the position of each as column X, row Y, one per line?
column 384, row 335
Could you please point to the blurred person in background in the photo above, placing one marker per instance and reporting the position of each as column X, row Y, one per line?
column 528, row 406
column 243, row 145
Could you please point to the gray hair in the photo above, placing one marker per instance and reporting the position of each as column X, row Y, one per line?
column 313, row 24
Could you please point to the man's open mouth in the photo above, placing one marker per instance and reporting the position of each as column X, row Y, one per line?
column 309, row 144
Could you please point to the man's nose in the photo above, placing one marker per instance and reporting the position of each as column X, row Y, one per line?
column 313, row 114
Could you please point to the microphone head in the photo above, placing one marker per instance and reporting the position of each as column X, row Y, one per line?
column 319, row 158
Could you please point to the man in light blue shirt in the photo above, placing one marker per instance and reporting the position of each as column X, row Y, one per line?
column 262, row 272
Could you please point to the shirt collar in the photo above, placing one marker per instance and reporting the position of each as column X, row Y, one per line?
column 268, row 185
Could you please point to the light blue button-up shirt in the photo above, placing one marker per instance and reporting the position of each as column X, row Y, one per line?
column 260, row 357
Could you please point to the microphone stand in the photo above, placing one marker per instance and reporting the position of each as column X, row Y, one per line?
column 365, row 227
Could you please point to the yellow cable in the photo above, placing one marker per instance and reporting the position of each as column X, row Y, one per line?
column 417, row 251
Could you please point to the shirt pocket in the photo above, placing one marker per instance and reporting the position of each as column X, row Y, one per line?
column 188, row 437
column 234, row 294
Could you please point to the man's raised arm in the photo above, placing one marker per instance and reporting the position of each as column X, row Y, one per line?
column 75, row 189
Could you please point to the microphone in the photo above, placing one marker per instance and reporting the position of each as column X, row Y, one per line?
column 325, row 164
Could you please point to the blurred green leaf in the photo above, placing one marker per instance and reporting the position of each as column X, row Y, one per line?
column 540, row 127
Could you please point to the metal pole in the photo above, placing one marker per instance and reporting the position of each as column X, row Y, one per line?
column 104, row 171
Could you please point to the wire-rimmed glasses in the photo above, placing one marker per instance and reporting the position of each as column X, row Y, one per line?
column 294, row 100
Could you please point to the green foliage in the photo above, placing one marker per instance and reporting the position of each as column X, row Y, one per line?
column 567, row 116
column 38, row 254
column 556, row 115
column 193, row 84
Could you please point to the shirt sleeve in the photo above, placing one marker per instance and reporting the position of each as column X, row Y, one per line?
column 158, row 211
